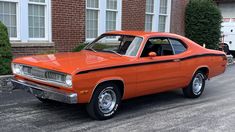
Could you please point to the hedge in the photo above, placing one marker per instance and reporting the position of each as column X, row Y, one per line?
column 5, row 51
column 79, row 47
column 203, row 23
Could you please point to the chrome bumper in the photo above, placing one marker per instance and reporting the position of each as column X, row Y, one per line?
column 45, row 92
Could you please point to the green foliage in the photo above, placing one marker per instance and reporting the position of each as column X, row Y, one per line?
column 98, row 47
column 53, row 51
column 203, row 22
column 79, row 47
column 5, row 51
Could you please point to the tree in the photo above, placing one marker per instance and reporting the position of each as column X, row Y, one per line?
column 5, row 51
column 203, row 23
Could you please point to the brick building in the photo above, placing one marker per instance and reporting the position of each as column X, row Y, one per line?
column 37, row 26
column 227, row 8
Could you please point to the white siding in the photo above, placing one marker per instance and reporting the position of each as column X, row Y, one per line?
column 227, row 9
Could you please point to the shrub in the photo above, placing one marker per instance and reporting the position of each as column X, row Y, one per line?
column 97, row 47
column 53, row 51
column 79, row 47
column 5, row 51
column 203, row 22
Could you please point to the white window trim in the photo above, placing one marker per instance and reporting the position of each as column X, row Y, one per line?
column 47, row 21
column 167, row 15
column 22, row 21
column 156, row 14
column 102, row 17
column 17, row 38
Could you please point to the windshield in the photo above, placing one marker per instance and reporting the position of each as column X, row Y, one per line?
column 116, row 44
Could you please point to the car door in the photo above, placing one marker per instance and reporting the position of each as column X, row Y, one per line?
column 159, row 73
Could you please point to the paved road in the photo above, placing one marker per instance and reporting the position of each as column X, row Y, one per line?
column 213, row 111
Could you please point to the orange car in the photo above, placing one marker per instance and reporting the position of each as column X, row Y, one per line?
column 116, row 66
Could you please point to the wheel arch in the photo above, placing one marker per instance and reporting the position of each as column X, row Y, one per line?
column 226, row 44
column 116, row 80
column 226, row 50
column 205, row 69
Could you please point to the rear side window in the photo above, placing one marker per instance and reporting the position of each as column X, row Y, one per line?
column 161, row 46
column 177, row 46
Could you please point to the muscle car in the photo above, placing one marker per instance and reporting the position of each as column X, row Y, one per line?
column 116, row 66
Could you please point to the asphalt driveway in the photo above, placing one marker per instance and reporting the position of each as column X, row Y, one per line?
column 213, row 111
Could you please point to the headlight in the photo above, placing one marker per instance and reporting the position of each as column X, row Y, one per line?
column 17, row 69
column 68, row 80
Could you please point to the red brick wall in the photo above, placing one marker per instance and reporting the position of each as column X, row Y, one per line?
column 177, row 16
column 68, row 23
column 26, row 51
column 133, row 14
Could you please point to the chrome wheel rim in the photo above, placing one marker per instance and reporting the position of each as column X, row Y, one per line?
column 107, row 100
column 198, row 83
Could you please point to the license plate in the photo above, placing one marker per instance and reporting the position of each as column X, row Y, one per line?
column 36, row 92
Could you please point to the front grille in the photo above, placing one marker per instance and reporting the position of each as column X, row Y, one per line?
column 43, row 74
column 55, row 76
column 27, row 70
column 34, row 72
column 39, row 73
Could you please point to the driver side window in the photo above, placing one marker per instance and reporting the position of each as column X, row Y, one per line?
column 161, row 46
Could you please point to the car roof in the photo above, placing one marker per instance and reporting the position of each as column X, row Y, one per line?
column 144, row 33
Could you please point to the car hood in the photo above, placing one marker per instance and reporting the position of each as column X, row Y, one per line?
column 73, row 62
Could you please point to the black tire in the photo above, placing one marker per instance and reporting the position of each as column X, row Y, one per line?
column 191, row 91
column 233, row 53
column 226, row 49
column 94, row 107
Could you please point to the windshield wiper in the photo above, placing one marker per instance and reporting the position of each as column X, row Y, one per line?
column 91, row 49
column 111, row 51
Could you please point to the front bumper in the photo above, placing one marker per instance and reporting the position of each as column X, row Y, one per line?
column 45, row 92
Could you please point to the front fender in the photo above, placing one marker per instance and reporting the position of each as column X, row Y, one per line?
column 106, row 80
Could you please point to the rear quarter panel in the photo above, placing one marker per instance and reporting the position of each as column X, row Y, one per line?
column 218, row 65
column 215, row 64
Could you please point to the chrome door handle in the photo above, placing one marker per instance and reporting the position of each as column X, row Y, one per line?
column 176, row 60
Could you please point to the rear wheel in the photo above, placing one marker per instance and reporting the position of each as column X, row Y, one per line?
column 226, row 49
column 196, row 86
column 105, row 102
column 233, row 53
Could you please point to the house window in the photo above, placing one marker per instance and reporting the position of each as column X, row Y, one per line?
column 149, row 15
column 111, row 15
column 36, row 18
column 27, row 20
column 8, row 13
column 162, row 16
column 157, row 16
column 92, row 18
column 102, row 16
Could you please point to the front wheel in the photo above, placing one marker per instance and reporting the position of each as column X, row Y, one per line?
column 105, row 102
column 196, row 86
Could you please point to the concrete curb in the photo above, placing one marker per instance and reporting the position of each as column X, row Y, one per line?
column 5, row 84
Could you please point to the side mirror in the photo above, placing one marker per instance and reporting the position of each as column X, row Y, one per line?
column 152, row 54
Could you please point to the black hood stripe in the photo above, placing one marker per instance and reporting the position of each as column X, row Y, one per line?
column 148, row 63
